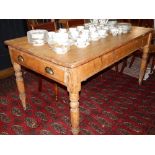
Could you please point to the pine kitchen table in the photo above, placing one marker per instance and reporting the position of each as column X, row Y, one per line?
column 78, row 64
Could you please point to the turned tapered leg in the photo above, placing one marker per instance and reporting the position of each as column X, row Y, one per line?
column 74, row 111
column 74, row 86
column 20, row 84
column 143, row 64
column 144, row 60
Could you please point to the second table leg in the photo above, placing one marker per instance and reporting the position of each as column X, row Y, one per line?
column 74, row 111
column 144, row 60
column 20, row 84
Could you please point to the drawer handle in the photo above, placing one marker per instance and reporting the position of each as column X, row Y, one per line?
column 49, row 70
column 20, row 58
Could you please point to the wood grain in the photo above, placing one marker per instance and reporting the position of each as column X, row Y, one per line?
column 78, row 64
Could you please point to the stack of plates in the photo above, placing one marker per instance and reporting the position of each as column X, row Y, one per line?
column 37, row 37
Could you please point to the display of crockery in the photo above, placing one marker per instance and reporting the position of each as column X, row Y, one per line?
column 79, row 36
column 59, row 42
column 37, row 37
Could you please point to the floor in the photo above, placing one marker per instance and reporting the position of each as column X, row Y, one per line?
column 134, row 70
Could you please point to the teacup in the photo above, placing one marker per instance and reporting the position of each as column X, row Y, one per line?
column 50, row 36
column 114, row 31
column 59, row 42
column 120, row 31
column 73, row 34
column 61, row 49
column 102, row 33
column 60, row 37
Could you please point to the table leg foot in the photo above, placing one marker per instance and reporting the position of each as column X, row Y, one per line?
column 22, row 97
column 75, row 131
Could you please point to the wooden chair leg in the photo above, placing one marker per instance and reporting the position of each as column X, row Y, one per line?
column 116, row 67
column 55, row 87
column 152, row 64
column 39, row 84
column 124, row 65
column 132, row 60
column 56, row 91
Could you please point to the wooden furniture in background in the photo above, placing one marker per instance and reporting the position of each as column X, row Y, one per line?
column 49, row 26
column 66, row 23
column 76, row 66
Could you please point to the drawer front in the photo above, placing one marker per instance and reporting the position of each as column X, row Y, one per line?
column 38, row 65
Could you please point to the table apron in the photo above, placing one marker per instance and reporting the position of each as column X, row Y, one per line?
column 38, row 65
column 94, row 66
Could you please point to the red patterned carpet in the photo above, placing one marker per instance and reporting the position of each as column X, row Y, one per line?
column 113, row 104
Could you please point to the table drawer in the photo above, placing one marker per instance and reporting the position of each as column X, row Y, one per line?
column 38, row 65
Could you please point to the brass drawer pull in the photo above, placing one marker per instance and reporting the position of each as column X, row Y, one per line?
column 20, row 59
column 49, row 70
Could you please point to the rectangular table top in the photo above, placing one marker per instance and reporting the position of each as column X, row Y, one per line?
column 78, row 56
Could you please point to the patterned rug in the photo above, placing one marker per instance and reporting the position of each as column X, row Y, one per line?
column 111, row 104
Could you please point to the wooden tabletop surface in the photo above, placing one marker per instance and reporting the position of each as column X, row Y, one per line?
column 78, row 56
